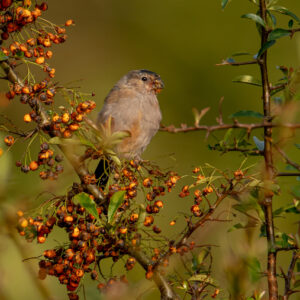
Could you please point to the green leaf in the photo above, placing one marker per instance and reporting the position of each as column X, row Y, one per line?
column 115, row 202
column 296, row 191
column 240, row 53
column 3, row 56
column 227, row 135
column 224, row 3
column 55, row 141
column 236, row 226
column 284, row 11
column 254, row 269
column 254, row 18
column 246, row 113
column 248, row 79
column 259, row 144
column 291, row 23
column 85, row 201
column 265, row 47
column 278, row 33
column 86, row 142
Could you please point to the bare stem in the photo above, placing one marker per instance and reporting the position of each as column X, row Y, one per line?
column 268, row 157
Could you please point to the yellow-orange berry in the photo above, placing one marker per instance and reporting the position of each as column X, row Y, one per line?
column 27, row 118
column 49, row 54
column 9, row 140
column 40, row 60
column 33, row 165
column 65, row 118
column 69, row 22
column 41, row 239
column 23, row 222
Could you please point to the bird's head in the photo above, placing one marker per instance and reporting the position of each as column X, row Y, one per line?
column 142, row 81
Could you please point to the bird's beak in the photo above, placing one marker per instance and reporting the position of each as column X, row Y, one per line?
column 158, row 85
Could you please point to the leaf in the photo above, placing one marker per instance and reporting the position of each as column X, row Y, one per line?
column 284, row 11
column 247, row 113
column 278, row 33
column 254, row 269
column 114, row 203
column 85, row 201
column 240, row 53
column 265, row 47
column 224, row 3
column 227, row 135
column 296, row 191
column 199, row 115
column 86, row 142
column 55, row 141
column 202, row 278
column 236, row 226
column 291, row 23
column 3, row 56
column 255, row 18
column 248, row 79
column 259, row 144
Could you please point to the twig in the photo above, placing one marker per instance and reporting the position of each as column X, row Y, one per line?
column 211, row 128
column 287, row 159
column 193, row 227
column 289, row 275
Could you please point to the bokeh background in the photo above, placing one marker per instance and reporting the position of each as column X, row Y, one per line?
column 182, row 41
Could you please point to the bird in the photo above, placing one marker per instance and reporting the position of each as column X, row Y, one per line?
column 132, row 106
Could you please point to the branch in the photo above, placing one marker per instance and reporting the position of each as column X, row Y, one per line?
column 165, row 289
column 287, row 160
column 268, row 157
column 289, row 275
column 79, row 167
column 193, row 227
column 211, row 128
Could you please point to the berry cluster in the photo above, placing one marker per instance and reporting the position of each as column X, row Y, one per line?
column 64, row 124
column 16, row 16
column 91, row 238
column 47, row 159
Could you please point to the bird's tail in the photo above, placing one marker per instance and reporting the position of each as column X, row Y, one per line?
column 102, row 172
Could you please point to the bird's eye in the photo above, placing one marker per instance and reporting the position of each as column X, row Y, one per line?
column 144, row 78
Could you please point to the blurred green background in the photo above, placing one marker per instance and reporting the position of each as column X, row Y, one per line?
column 182, row 41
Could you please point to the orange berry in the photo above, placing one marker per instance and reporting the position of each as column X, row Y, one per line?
column 74, row 126
column 31, row 42
column 69, row 23
column 65, row 118
column 33, row 166
column 123, row 230
column 40, row 60
column 67, row 134
column 27, row 118
column 41, row 239
column 49, row 54
column 9, row 140
column 20, row 213
column 1, row 152
column 172, row 223
column 23, row 222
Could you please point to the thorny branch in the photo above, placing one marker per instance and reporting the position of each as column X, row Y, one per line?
column 193, row 227
column 79, row 167
column 167, row 292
